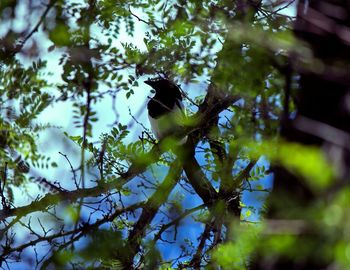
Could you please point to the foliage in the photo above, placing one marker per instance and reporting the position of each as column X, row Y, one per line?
column 131, row 199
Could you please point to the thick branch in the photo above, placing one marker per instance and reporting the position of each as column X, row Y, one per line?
column 199, row 181
column 149, row 211
column 196, row 259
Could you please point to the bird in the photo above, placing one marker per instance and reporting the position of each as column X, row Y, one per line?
column 166, row 111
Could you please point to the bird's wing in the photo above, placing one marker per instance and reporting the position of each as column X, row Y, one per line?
column 172, row 120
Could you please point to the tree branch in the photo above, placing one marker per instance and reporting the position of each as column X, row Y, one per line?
column 196, row 259
column 19, row 47
column 83, row 229
column 158, row 236
column 149, row 211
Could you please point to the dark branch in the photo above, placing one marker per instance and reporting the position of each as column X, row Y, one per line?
column 82, row 230
column 19, row 47
column 149, row 211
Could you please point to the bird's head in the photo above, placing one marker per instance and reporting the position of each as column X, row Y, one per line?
column 164, row 87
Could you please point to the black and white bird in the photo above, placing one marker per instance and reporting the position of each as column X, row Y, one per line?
column 166, row 111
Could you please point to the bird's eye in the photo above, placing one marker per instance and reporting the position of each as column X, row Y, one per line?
column 153, row 91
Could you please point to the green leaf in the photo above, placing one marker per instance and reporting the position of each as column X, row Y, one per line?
column 60, row 35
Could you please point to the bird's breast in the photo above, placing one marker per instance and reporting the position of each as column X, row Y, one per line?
column 166, row 123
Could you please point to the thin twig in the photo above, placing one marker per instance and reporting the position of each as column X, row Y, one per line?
column 84, row 228
column 71, row 166
column 19, row 47
column 138, row 18
column 176, row 221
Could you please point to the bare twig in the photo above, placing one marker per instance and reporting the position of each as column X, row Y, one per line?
column 83, row 229
column 138, row 18
column 158, row 236
column 19, row 47
column 71, row 166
